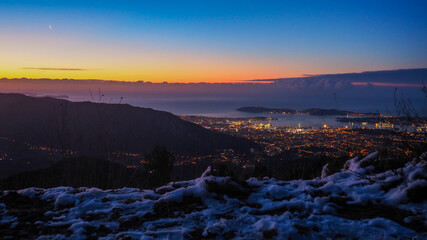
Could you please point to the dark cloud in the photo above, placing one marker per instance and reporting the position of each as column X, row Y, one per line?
column 403, row 76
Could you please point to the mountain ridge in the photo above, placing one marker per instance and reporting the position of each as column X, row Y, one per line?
column 98, row 127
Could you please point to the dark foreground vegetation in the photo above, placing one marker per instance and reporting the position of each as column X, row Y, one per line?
column 78, row 172
column 158, row 169
column 99, row 173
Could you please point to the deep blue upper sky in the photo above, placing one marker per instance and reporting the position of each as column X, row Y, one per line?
column 241, row 39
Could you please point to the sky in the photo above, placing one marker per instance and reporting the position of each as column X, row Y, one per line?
column 208, row 41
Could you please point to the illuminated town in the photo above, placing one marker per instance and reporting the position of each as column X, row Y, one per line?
column 308, row 142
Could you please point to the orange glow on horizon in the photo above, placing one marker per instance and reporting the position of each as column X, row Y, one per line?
column 58, row 56
column 153, row 78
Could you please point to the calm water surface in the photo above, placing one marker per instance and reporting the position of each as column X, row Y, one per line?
column 285, row 120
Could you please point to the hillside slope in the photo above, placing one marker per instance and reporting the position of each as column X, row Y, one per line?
column 98, row 127
column 352, row 204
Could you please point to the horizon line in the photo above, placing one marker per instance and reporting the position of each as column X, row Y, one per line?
column 247, row 81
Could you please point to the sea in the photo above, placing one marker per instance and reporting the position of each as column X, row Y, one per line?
column 228, row 110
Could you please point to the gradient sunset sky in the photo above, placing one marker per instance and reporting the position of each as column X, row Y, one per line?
column 208, row 41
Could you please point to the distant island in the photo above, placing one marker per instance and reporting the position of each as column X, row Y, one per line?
column 311, row 111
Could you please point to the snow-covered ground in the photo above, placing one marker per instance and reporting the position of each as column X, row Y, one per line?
column 351, row 204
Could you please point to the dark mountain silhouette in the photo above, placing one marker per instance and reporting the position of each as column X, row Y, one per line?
column 96, row 128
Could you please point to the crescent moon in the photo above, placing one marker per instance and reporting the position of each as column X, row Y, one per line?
column 50, row 27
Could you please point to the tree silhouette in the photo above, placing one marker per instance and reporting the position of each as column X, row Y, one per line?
column 159, row 165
